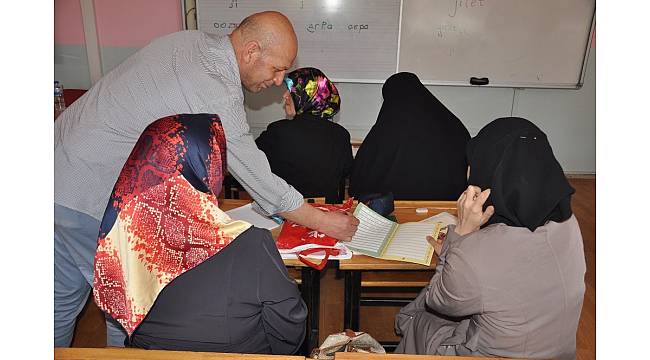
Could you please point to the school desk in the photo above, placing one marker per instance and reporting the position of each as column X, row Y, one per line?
column 408, row 274
column 140, row 354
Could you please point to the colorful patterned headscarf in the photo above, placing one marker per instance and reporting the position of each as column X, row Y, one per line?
column 162, row 218
column 313, row 93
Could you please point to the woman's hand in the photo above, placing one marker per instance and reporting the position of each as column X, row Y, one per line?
column 470, row 210
column 436, row 243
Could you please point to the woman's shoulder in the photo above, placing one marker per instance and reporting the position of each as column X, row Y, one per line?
column 481, row 241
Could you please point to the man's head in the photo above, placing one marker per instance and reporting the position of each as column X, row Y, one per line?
column 265, row 45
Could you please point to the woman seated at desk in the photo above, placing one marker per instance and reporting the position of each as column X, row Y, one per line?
column 173, row 269
column 510, row 276
column 308, row 150
column 415, row 149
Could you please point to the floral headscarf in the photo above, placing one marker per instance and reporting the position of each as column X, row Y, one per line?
column 313, row 93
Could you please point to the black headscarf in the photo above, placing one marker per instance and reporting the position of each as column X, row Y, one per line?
column 415, row 149
column 513, row 158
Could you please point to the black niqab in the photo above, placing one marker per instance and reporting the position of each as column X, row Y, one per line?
column 415, row 149
column 513, row 158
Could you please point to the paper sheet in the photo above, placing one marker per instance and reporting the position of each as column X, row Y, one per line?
column 444, row 217
column 410, row 243
column 246, row 213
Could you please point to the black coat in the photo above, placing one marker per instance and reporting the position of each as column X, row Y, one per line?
column 416, row 149
column 313, row 155
column 239, row 300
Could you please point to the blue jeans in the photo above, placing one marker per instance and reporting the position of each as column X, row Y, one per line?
column 75, row 242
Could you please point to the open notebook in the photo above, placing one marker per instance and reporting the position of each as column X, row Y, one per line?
column 379, row 237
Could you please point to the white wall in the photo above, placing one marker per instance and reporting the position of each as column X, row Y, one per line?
column 567, row 116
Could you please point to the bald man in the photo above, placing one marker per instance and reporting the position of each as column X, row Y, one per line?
column 187, row 72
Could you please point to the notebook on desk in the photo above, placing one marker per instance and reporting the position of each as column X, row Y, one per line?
column 379, row 237
column 246, row 213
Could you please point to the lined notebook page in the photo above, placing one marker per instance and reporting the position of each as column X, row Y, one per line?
column 410, row 242
column 372, row 233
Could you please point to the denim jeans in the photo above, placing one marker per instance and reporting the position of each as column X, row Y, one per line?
column 75, row 242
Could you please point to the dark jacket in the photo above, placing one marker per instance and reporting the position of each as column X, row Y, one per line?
column 314, row 155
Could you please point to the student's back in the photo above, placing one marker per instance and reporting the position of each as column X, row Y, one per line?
column 311, row 154
column 415, row 149
column 239, row 300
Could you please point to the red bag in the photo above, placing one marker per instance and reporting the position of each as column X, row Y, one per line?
column 302, row 241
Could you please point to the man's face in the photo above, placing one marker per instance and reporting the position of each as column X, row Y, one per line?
column 266, row 69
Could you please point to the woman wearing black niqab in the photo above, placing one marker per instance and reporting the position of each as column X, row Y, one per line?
column 510, row 275
column 415, row 149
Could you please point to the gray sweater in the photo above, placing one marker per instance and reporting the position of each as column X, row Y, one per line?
column 501, row 291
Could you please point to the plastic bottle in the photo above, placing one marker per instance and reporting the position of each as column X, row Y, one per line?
column 59, row 101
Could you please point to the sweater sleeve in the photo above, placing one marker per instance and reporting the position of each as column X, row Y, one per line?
column 249, row 165
column 454, row 289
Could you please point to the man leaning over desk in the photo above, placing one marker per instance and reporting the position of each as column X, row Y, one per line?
column 184, row 72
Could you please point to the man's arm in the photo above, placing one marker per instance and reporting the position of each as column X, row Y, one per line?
column 273, row 195
column 335, row 224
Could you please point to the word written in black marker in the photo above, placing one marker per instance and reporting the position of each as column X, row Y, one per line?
column 225, row 25
column 454, row 5
column 324, row 26
column 446, row 28
column 327, row 26
column 358, row 27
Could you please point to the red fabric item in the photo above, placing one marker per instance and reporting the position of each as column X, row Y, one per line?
column 310, row 241
column 71, row 95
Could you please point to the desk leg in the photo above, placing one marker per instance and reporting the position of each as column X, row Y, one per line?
column 310, row 294
column 352, row 300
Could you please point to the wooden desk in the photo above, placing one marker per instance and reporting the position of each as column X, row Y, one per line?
column 361, row 356
column 354, row 267
column 139, row 354
column 309, row 283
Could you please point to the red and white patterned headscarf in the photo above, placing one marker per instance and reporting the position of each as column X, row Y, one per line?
column 162, row 218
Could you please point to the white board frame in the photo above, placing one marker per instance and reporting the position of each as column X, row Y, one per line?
column 191, row 4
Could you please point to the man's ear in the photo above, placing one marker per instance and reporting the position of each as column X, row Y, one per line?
column 252, row 51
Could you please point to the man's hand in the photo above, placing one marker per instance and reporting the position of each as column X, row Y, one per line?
column 470, row 210
column 338, row 225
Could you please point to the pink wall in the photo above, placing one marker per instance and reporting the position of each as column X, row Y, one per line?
column 134, row 23
column 68, row 27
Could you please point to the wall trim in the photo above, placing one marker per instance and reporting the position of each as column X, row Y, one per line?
column 91, row 39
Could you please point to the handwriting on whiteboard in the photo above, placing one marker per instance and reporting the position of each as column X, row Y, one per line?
column 448, row 28
column 455, row 5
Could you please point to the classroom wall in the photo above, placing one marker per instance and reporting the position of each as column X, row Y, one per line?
column 124, row 26
column 70, row 59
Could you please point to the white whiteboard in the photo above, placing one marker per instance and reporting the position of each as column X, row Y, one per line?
column 351, row 41
column 514, row 43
